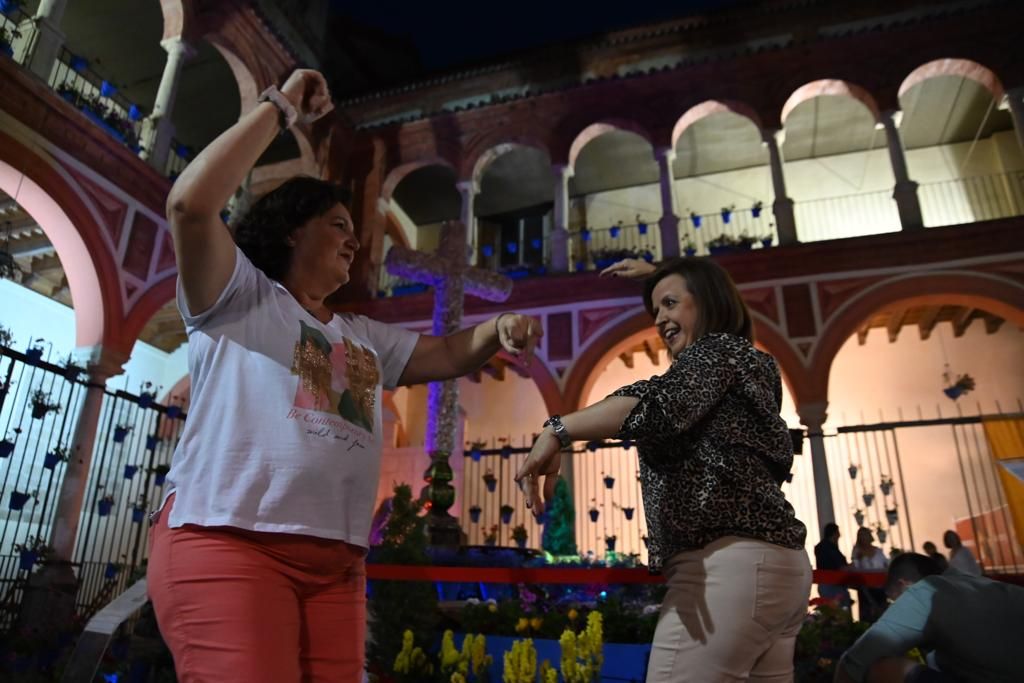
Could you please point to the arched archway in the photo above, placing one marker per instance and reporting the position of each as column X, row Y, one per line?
column 829, row 87
column 709, row 107
column 396, row 175
column 53, row 202
column 489, row 150
column 599, row 128
column 994, row 293
column 964, row 68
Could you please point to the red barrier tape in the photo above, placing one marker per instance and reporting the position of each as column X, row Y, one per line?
column 394, row 572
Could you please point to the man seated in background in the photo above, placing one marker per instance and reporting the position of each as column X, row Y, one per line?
column 971, row 624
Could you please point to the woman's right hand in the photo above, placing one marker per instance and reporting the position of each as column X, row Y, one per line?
column 632, row 268
column 307, row 90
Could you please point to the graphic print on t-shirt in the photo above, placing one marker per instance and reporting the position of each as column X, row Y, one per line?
column 340, row 379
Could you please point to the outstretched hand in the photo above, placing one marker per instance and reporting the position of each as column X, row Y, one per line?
column 545, row 460
column 307, row 90
column 632, row 268
column 519, row 334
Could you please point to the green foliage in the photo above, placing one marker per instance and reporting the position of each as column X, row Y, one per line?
column 397, row 606
column 560, row 529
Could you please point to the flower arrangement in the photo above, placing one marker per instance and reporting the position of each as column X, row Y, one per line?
column 519, row 535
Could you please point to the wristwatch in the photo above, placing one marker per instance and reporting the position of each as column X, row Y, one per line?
column 561, row 433
column 289, row 115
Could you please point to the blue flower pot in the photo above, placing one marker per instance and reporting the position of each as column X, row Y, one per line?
column 27, row 560
column 33, row 355
column 641, row 228
column 111, row 571
column 953, row 392
column 151, row 442
column 160, row 478
column 594, row 514
column 174, row 412
column 120, row 434
column 727, row 216
column 609, row 482
column 6, row 448
column 614, row 232
column 609, row 545
column 506, row 516
column 696, row 220
column 690, row 251
column 756, row 212
column 104, row 507
column 50, row 460
column 138, row 514
column 146, row 400
column 474, row 515
column 18, row 500
column 506, row 452
column 628, row 512
column 767, row 242
column 130, row 470
column 491, row 484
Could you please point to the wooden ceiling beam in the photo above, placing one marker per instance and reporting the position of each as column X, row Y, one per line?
column 926, row 323
column 652, row 352
column 627, row 358
column 962, row 320
column 895, row 323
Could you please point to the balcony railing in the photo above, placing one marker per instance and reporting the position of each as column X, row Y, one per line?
column 950, row 202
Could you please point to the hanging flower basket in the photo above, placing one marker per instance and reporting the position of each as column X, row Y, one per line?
column 766, row 242
column 893, row 516
column 627, row 444
column 53, row 457
column 755, row 210
column 491, row 482
column 695, row 219
column 594, row 514
column 27, row 560
column 852, row 469
column 138, row 514
column 519, row 535
column 151, row 442
column 475, row 454
column 18, row 500
column 869, row 498
column 726, row 214
column 882, row 534
column 886, row 486
column 506, row 513
column 592, row 446
column 641, row 228
column 160, row 474
column 121, row 433
column 858, row 516
column 104, row 506
column 111, row 571
column 146, row 400
column 506, row 452
column 34, row 355
column 609, row 482
column 6, row 448
column 130, row 470
column 614, row 232
column 628, row 512
column 474, row 514
column 609, row 543
column 690, row 251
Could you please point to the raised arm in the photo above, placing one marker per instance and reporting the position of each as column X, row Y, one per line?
column 455, row 355
column 203, row 246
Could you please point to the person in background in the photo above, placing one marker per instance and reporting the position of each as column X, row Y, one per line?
column 969, row 626
column 931, row 551
column 960, row 558
column 867, row 557
column 828, row 557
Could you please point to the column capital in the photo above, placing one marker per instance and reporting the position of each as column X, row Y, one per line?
column 773, row 136
column 563, row 171
column 890, row 116
column 1010, row 96
column 813, row 415
column 100, row 363
column 666, row 154
column 471, row 187
column 179, row 45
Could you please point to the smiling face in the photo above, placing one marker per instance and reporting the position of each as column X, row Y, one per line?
column 675, row 313
column 323, row 249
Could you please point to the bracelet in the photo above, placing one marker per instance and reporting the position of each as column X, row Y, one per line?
column 289, row 115
column 559, row 430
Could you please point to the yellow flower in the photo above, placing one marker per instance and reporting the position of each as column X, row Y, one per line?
column 573, row 614
column 492, row 608
column 522, row 624
column 536, row 623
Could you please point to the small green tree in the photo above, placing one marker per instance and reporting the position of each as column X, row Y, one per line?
column 560, row 528
column 397, row 606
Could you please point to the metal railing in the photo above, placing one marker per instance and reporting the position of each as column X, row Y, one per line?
column 976, row 198
column 10, row 35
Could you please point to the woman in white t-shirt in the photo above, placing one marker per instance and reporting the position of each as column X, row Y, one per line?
column 256, row 568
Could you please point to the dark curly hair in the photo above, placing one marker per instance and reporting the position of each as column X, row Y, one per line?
column 263, row 231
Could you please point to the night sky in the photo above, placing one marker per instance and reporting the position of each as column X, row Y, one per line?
column 448, row 34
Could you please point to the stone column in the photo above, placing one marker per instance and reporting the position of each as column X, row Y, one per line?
column 50, row 596
column 905, row 191
column 782, row 207
column 669, row 222
column 44, row 38
column 469, row 189
column 157, row 129
column 1014, row 101
column 813, row 416
column 560, row 228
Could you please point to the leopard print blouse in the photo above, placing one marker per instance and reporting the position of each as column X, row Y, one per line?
column 714, row 450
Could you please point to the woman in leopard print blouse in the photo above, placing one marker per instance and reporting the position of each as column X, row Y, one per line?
column 714, row 453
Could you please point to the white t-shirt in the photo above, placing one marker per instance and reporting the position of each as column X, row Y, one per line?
column 284, row 427
column 875, row 563
column 962, row 559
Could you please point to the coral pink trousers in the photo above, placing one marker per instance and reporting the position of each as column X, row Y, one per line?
column 236, row 605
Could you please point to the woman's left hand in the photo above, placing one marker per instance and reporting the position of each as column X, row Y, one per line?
column 519, row 334
column 545, row 460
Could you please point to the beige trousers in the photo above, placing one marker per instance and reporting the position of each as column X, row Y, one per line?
column 732, row 613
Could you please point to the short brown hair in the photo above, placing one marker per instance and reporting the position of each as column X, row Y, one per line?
column 720, row 308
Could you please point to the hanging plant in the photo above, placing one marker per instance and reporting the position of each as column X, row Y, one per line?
column 881, row 532
column 615, row 230
column 57, row 455
column 609, row 543
column 491, row 537
column 627, row 444
column 34, row 354
column 963, row 385
column 121, row 432
column 519, row 535
column 852, row 469
column 506, row 511
column 755, row 210
column 727, row 213
column 476, row 450
column 858, row 516
column 490, row 481
column 111, row 571
column 689, row 248
column 41, row 404
column 138, row 513
column 641, row 227
column 130, row 470
column 594, row 512
column 31, row 551
column 695, row 219
column 152, row 441
column 6, row 448
column 869, row 498
column 766, row 241
column 160, row 474
column 147, row 397
column 506, row 452
column 592, row 446
column 609, row 481
column 474, row 513
column 892, row 515
column 18, row 499
column 628, row 512
column 885, row 485
column 104, row 505
column 71, row 370
column 6, row 337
